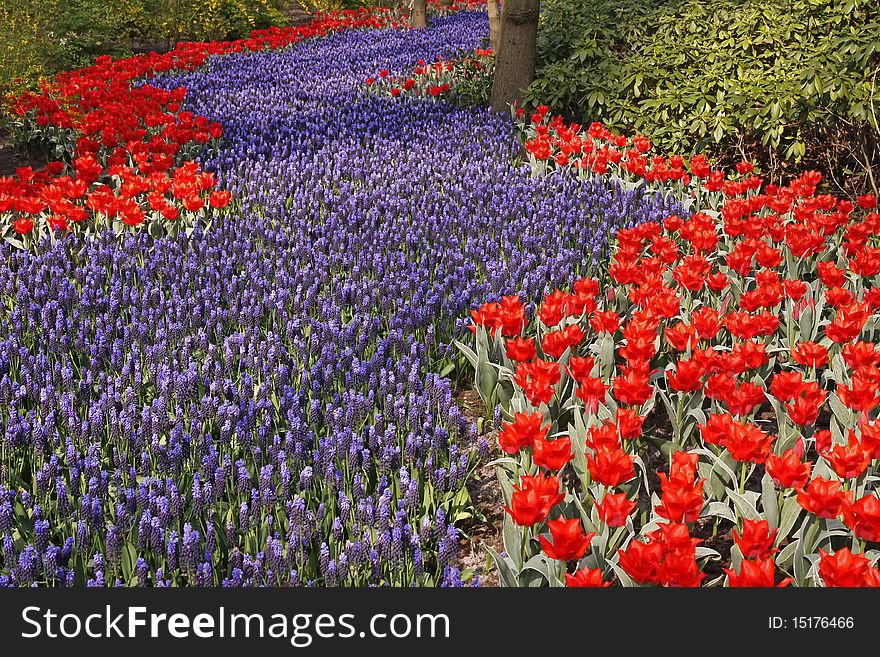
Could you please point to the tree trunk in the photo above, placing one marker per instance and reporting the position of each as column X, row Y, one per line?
column 515, row 68
column 494, row 25
column 420, row 13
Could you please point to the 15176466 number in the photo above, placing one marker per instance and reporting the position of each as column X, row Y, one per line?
column 811, row 623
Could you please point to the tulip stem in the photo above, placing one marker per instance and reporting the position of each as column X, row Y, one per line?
column 523, row 545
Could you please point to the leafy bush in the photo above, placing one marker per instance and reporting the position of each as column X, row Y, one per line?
column 787, row 80
column 41, row 38
column 22, row 56
column 201, row 20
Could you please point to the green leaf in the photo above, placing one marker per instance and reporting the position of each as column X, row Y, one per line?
column 468, row 353
column 718, row 510
column 549, row 570
column 791, row 510
column 769, row 504
column 129, row 562
column 506, row 575
column 155, row 230
column 745, row 508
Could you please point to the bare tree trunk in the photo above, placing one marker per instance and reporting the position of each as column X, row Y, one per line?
column 515, row 68
column 494, row 24
column 420, row 13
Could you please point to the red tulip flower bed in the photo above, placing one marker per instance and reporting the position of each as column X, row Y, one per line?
column 122, row 153
column 707, row 415
column 437, row 79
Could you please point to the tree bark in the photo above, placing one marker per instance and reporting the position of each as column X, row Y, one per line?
column 494, row 25
column 515, row 68
column 420, row 13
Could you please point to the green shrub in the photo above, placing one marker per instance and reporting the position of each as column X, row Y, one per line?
column 781, row 79
column 23, row 26
column 39, row 38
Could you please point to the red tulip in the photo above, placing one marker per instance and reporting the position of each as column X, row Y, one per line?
column 614, row 509
column 23, row 226
column 849, row 461
column 823, row 498
column 843, row 568
column 682, row 495
column 757, row 573
column 787, row 470
column 533, row 499
column 605, row 322
column 552, row 454
column 642, row 561
column 220, row 199
column 866, row 518
column 746, row 442
column 522, row 432
column 586, row 577
column 580, row 367
column 611, row 467
column 810, row 354
column 521, row 349
column 756, row 540
column 629, row 423
column 632, row 388
column 569, row 541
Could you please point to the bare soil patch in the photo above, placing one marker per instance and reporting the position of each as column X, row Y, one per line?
column 485, row 528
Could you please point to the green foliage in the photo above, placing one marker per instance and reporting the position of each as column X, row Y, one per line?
column 205, row 20
column 22, row 54
column 694, row 75
column 40, row 38
column 81, row 30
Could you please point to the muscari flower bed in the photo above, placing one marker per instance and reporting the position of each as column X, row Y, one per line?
column 258, row 402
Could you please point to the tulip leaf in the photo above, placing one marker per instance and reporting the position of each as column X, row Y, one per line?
column 745, row 508
column 785, row 556
column 625, row 580
column 769, row 502
column 718, row 510
column 505, row 483
column 547, row 568
column 512, row 541
column 506, row 575
column 701, row 552
column 841, row 413
column 736, row 557
column 722, row 467
column 469, row 353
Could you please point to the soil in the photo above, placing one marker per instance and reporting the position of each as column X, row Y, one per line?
column 11, row 159
column 485, row 528
column 298, row 15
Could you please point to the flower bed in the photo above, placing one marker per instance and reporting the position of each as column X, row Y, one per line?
column 258, row 404
column 119, row 146
column 466, row 78
column 732, row 352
